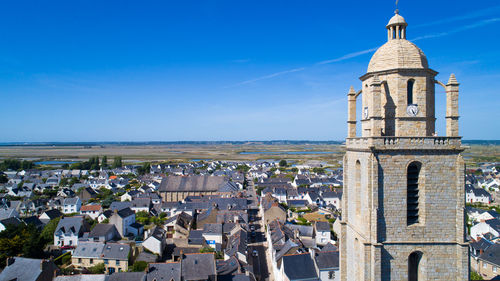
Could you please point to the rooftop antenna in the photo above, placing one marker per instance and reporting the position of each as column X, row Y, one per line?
column 397, row 11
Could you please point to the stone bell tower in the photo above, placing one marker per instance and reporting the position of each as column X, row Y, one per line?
column 404, row 198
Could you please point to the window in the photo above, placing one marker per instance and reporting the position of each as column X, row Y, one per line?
column 91, row 261
column 494, row 269
column 413, row 266
column 106, row 261
column 410, row 91
column 357, row 190
column 412, row 196
column 485, row 265
column 79, row 260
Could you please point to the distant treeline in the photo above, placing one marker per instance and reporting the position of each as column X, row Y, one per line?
column 272, row 142
column 88, row 144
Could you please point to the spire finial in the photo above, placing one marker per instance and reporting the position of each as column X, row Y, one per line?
column 397, row 11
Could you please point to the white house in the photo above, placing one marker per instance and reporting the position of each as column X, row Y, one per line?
column 91, row 210
column 477, row 195
column 212, row 232
column 323, row 235
column 72, row 205
column 332, row 198
column 69, row 229
column 155, row 241
column 490, row 226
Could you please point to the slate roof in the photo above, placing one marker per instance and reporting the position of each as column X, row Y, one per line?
column 322, row 226
column 141, row 202
column 116, row 251
column 196, row 237
column 83, row 277
column 73, row 224
column 164, row 271
column 227, row 267
column 492, row 254
column 191, row 183
column 71, row 201
column 304, row 230
column 127, row 212
column 299, row 267
column 33, row 220
column 54, row 213
column 101, row 229
column 236, row 243
column 327, row 260
column 23, row 269
column 126, row 276
column 212, row 228
column 7, row 213
column 11, row 221
column 329, row 247
column 198, row 266
column 88, row 250
column 158, row 233
column 229, row 187
column 115, row 205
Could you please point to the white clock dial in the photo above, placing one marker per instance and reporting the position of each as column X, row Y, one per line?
column 412, row 110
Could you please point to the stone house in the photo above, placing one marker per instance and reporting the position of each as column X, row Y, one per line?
column 178, row 226
column 489, row 262
column 122, row 219
column 271, row 209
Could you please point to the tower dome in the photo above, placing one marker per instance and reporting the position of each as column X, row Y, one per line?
column 397, row 52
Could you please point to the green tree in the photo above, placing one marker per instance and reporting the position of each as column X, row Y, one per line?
column 117, row 163
column 139, row 266
column 20, row 240
column 104, row 162
column 3, row 178
column 475, row 276
column 97, row 269
column 48, row 231
column 207, row 249
column 283, row 163
column 144, row 169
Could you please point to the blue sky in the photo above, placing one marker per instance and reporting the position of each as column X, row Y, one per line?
column 225, row 70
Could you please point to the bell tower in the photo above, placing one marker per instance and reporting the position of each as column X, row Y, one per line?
column 404, row 190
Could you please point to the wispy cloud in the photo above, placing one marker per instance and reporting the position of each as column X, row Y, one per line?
column 475, row 14
column 359, row 53
column 466, row 27
column 268, row 76
column 347, row 56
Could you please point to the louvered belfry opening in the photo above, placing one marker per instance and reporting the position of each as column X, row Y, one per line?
column 412, row 193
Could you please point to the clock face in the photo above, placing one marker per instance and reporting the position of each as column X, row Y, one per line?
column 412, row 110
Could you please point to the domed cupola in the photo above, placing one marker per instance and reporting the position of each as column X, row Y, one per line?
column 397, row 53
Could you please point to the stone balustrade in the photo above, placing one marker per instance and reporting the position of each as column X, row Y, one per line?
column 388, row 142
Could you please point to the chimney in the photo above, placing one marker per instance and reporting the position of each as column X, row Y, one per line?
column 10, row 261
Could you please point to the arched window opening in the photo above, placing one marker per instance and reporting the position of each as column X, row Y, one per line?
column 413, row 266
column 412, row 193
column 357, row 191
column 410, row 92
